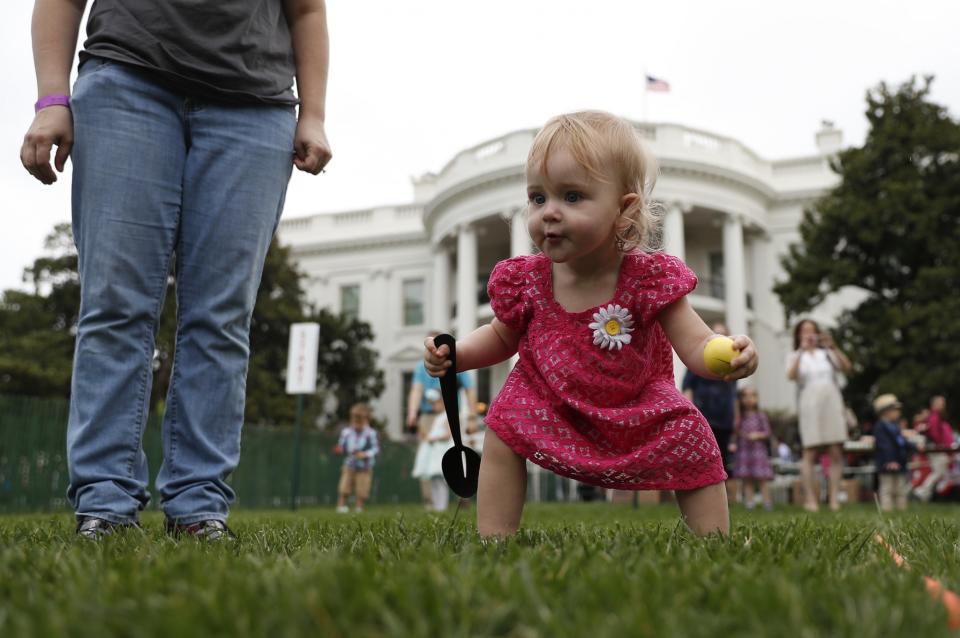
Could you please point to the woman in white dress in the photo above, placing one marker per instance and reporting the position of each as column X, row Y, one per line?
column 814, row 365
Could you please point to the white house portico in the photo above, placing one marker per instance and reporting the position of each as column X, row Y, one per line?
column 408, row 269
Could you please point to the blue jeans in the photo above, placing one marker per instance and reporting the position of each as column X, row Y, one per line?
column 155, row 174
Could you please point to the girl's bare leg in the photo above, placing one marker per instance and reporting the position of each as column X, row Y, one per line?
column 808, row 478
column 733, row 490
column 749, row 492
column 765, row 493
column 836, row 474
column 705, row 510
column 502, row 489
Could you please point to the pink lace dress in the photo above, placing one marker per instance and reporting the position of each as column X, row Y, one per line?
column 599, row 403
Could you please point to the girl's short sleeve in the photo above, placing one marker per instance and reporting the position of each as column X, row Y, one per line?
column 507, row 288
column 659, row 280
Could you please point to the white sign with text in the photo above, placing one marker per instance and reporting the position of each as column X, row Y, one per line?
column 302, row 358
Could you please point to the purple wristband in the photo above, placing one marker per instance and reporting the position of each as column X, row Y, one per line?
column 51, row 100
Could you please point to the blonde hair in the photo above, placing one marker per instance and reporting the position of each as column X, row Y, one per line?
column 611, row 151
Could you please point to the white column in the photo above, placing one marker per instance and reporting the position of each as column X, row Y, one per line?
column 673, row 237
column 674, row 244
column 519, row 236
column 734, row 275
column 466, row 280
column 767, row 320
column 520, row 244
column 440, row 317
column 765, row 306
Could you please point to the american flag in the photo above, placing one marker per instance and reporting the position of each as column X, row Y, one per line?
column 656, row 84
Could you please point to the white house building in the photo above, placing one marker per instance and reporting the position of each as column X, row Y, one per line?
column 423, row 265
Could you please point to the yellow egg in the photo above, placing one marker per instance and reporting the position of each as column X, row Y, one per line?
column 718, row 354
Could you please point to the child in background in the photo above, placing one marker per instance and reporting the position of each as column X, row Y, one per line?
column 752, row 465
column 892, row 453
column 593, row 317
column 428, row 464
column 939, row 434
column 358, row 443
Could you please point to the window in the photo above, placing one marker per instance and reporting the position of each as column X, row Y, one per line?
column 413, row 302
column 716, row 276
column 350, row 301
column 482, row 296
column 483, row 385
column 406, row 382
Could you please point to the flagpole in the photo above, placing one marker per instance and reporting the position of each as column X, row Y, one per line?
column 645, row 91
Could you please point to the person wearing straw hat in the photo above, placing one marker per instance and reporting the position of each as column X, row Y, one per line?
column 891, row 454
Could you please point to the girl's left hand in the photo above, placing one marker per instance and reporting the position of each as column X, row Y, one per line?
column 745, row 363
column 310, row 146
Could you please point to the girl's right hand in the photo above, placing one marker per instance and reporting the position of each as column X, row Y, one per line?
column 435, row 360
column 51, row 126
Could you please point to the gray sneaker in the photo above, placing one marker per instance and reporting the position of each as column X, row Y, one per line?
column 209, row 530
column 93, row 528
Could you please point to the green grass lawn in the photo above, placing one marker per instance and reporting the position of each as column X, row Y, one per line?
column 574, row 570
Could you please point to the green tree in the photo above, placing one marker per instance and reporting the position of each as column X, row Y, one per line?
column 343, row 373
column 346, row 369
column 892, row 229
column 37, row 328
column 37, row 331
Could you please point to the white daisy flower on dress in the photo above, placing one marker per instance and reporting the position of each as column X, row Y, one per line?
column 611, row 327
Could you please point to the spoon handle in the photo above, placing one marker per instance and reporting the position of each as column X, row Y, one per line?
column 449, row 388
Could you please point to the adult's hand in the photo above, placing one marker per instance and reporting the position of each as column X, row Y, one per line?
column 311, row 148
column 51, row 126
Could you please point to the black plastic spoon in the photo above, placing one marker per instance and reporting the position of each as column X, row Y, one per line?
column 461, row 465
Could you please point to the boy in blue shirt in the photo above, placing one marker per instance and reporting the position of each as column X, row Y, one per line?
column 359, row 444
column 892, row 453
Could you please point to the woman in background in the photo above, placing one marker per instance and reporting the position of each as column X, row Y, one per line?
column 814, row 365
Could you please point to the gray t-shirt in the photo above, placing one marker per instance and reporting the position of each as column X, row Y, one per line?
column 236, row 51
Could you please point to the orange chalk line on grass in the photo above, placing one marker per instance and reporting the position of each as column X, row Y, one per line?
column 935, row 588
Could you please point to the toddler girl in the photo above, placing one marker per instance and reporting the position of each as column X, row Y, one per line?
column 428, row 463
column 593, row 318
column 753, row 454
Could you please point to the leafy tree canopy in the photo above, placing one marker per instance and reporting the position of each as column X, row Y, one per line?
column 37, row 331
column 891, row 228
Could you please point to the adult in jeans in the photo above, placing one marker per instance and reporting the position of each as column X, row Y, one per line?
column 814, row 365
column 183, row 130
